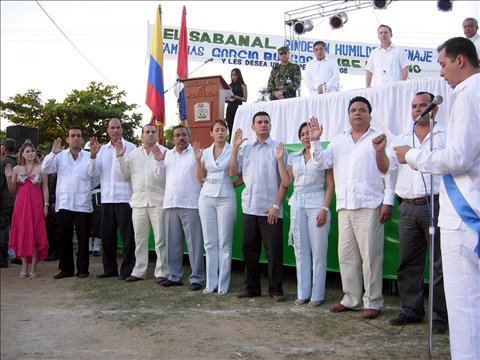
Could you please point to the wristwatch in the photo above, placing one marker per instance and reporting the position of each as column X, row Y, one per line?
column 276, row 207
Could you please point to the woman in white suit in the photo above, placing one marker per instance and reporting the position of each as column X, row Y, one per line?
column 217, row 207
column 309, row 218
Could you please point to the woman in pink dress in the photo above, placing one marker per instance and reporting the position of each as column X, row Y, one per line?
column 28, row 237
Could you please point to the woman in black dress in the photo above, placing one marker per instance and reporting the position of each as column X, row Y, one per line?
column 239, row 89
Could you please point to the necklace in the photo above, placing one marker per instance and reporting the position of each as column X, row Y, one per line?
column 28, row 172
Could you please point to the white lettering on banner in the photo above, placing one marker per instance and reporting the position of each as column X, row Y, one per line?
column 232, row 48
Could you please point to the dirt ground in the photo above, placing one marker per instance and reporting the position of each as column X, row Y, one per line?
column 96, row 318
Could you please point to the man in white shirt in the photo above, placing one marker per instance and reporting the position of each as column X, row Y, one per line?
column 364, row 203
column 459, row 219
column 470, row 30
column 116, row 192
column 386, row 63
column 261, row 206
column 182, row 191
column 413, row 189
column 73, row 201
column 146, row 202
column 321, row 74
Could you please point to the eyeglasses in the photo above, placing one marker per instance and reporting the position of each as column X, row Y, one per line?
column 283, row 53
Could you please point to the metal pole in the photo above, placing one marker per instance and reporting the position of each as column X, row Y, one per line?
column 431, row 232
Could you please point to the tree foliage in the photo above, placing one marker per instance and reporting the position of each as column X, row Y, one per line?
column 89, row 108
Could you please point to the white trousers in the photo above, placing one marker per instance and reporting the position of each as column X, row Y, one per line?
column 142, row 219
column 360, row 254
column 217, row 215
column 461, row 280
column 310, row 243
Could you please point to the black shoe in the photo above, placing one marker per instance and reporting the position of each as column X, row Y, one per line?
column 82, row 275
column 4, row 265
column 402, row 319
column 169, row 283
column 195, row 287
column 51, row 257
column 96, row 253
column 439, row 327
column 107, row 275
column 16, row 261
column 123, row 277
column 62, row 275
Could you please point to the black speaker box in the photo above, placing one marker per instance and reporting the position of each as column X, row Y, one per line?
column 21, row 133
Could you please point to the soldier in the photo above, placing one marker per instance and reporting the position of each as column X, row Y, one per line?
column 285, row 77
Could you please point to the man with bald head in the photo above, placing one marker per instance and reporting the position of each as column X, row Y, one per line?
column 115, row 209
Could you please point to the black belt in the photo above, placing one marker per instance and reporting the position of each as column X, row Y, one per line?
column 420, row 201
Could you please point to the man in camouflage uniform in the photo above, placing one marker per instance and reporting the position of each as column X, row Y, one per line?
column 285, row 77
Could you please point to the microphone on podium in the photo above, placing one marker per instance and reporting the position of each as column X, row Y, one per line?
column 437, row 100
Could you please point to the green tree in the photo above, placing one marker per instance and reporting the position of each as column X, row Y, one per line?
column 89, row 108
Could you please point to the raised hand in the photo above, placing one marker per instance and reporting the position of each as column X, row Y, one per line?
column 238, row 138
column 280, row 151
column 120, row 149
column 380, row 142
column 158, row 154
column 57, row 146
column 197, row 150
column 94, row 147
column 8, row 170
column 315, row 129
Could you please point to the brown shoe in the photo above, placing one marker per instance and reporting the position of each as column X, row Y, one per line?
column 132, row 278
column 337, row 308
column 246, row 294
column 278, row 298
column 370, row 313
column 160, row 280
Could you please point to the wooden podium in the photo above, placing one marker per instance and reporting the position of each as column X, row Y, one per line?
column 205, row 100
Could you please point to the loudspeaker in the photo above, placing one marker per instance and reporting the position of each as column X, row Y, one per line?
column 21, row 133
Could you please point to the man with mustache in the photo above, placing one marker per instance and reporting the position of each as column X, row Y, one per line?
column 182, row 191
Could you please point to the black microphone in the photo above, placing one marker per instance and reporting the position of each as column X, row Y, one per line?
column 437, row 100
column 211, row 59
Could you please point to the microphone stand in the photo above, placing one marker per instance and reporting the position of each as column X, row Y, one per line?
column 431, row 232
column 178, row 80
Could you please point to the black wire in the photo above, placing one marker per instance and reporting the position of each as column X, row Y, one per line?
column 71, row 42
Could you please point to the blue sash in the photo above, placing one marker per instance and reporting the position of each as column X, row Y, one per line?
column 464, row 210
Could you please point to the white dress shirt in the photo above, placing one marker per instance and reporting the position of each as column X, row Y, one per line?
column 462, row 152
column 308, row 183
column 182, row 188
column 386, row 65
column 259, row 168
column 218, row 182
column 73, row 182
column 476, row 41
column 114, row 187
column 358, row 182
column 318, row 72
column 410, row 184
column 147, row 186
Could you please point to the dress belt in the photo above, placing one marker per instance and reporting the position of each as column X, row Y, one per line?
column 420, row 201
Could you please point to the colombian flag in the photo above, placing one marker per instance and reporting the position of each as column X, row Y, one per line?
column 155, row 98
column 182, row 66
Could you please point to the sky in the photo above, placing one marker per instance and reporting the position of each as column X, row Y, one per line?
column 112, row 35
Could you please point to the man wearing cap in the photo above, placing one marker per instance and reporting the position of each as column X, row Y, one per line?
column 321, row 73
column 7, row 199
column 285, row 77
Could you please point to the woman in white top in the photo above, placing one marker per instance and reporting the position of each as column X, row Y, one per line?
column 309, row 218
column 217, row 207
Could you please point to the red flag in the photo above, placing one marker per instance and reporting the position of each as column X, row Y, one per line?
column 182, row 65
